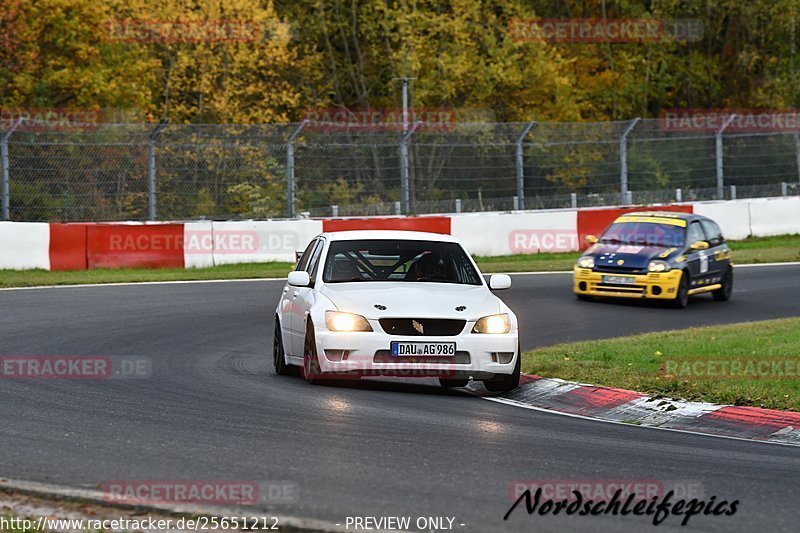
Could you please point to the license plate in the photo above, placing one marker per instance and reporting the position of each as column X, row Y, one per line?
column 620, row 280
column 442, row 349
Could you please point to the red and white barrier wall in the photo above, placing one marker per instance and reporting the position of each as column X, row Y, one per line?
column 80, row 246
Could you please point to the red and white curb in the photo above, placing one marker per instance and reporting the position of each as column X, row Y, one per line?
column 631, row 407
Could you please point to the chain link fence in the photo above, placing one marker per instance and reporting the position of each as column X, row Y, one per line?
column 113, row 172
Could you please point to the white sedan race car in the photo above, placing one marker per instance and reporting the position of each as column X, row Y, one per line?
column 395, row 303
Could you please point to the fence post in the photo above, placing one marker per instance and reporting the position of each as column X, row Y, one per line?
column 720, row 177
column 797, row 153
column 4, row 156
column 623, row 161
column 784, row 189
column 290, row 185
column 405, row 191
column 151, row 182
column 573, row 198
column 521, row 166
column 678, row 195
column 458, row 205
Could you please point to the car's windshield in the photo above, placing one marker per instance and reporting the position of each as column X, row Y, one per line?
column 645, row 233
column 399, row 260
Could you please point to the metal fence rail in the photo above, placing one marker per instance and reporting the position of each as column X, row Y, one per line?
column 172, row 172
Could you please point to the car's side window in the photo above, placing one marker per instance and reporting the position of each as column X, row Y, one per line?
column 301, row 265
column 712, row 232
column 695, row 233
column 313, row 262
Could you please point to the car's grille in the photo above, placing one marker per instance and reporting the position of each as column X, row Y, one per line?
column 429, row 327
column 618, row 269
column 617, row 288
column 385, row 356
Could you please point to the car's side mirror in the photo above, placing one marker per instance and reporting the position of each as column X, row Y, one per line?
column 299, row 278
column 591, row 239
column 498, row 282
column 699, row 245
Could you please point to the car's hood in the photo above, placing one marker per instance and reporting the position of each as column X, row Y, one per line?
column 412, row 299
column 633, row 256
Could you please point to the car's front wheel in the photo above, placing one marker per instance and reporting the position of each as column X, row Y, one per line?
column 505, row 382
column 682, row 297
column 311, row 369
column 723, row 294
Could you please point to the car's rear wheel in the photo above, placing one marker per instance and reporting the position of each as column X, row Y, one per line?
column 505, row 382
column 724, row 293
column 452, row 383
column 279, row 361
column 682, row 297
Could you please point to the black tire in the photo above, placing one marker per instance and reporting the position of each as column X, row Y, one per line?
column 505, row 382
column 453, row 383
column 724, row 294
column 278, row 359
column 311, row 369
column 682, row 297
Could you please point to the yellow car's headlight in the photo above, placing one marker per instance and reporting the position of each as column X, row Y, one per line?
column 658, row 266
column 337, row 321
column 586, row 262
column 493, row 324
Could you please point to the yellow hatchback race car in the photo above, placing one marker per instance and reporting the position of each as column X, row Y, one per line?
column 656, row 255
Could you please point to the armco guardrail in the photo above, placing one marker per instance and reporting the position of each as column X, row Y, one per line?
column 26, row 245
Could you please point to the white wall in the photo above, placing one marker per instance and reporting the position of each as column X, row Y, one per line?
column 733, row 217
column 258, row 242
column 516, row 233
column 198, row 245
column 24, row 245
column 775, row 216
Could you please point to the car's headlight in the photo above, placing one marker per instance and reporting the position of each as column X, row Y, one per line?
column 658, row 266
column 337, row 321
column 586, row 262
column 493, row 324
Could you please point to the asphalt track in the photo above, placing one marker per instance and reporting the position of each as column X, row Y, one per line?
column 213, row 409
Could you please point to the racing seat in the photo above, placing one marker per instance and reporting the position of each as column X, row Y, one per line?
column 345, row 270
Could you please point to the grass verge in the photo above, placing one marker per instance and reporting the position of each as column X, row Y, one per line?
column 754, row 250
column 32, row 278
column 636, row 363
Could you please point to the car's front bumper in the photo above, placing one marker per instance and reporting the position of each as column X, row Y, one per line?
column 480, row 356
column 657, row 285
